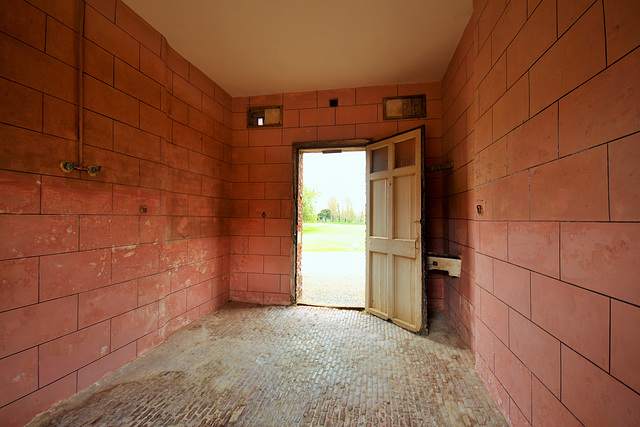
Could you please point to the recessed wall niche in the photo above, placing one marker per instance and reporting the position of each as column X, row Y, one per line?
column 264, row 116
column 404, row 107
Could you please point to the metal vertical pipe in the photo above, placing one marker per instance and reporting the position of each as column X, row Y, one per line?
column 81, row 84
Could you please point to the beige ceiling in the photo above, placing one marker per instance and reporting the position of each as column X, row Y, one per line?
column 252, row 47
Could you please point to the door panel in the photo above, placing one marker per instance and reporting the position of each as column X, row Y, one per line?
column 394, row 210
column 378, row 199
column 376, row 299
column 402, row 203
column 404, row 291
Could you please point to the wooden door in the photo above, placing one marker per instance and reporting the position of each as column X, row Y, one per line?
column 394, row 210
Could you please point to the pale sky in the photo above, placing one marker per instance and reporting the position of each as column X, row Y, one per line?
column 336, row 175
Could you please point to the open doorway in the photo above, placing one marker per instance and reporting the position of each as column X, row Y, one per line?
column 332, row 228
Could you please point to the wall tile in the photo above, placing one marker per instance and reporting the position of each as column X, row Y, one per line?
column 625, row 320
column 29, row 326
column 547, row 410
column 572, row 188
column 491, row 163
column 21, row 106
column 512, row 285
column 133, row 24
column 515, row 377
column 493, row 239
column 374, row 94
column 536, row 246
column 59, row 118
column 301, row 100
column 24, row 410
column 18, row 375
column 535, row 37
column 512, row 109
column 110, row 102
column 577, row 317
column 131, row 81
column 21, row 20
column 624, row 179
column 75, row 272
column 511, row 197
column 30, row 235
column 534, row 142
column 495, row 314
column 578, row 55
column 507, row 27
column 623, row 34
column 104, row 303
column 65, row 355
column 603, row 109
column 36, row 69
column 538, row 350
column 20, row 192
column 592, row 395
column 602, row 257
column 133, row 324
column 98, row 369
column 98, row 231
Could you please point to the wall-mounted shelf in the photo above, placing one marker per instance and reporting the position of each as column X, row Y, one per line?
column 452, row 264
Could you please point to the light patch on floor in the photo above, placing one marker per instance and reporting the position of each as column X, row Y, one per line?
column 333, row 279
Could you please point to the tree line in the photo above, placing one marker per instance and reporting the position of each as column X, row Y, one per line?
column 334, row 212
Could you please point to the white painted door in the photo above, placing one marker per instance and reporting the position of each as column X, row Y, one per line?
column 394, row 253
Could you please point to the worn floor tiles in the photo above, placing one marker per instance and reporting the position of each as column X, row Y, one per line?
column 274, row 366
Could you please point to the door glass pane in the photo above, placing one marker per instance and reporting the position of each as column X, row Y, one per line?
column 379, row 159
column 405, row 153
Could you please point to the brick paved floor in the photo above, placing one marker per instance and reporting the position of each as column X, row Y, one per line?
column 275, row 366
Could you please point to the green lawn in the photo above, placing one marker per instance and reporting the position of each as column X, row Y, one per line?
column 333, row 238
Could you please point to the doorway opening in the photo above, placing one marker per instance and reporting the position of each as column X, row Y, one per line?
column 331, row 228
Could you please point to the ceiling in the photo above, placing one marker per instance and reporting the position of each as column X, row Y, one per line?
column 251, row 47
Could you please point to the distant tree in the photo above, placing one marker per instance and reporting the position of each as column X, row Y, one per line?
column 348, row 214
column 309, row 197
column 334, row 207
column 324, row 215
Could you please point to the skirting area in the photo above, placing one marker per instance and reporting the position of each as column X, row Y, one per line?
column 274, row 366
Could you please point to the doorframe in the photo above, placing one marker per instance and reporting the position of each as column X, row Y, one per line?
column 297, row 149
column 352, row 144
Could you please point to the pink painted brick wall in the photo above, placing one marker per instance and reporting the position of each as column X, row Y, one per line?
column 540, row 103
column 88, row 282
column 538, row 110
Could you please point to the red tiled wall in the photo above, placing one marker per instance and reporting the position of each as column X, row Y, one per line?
column 87, row 282
column 262, row 171
column 541, row 115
